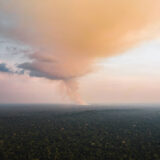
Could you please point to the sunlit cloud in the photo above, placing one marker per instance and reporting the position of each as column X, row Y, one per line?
column 68, row 37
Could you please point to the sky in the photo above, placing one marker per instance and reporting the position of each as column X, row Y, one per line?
column 81, row 52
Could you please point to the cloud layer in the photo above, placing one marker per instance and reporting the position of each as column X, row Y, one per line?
column 4, row 68
column 69, row 36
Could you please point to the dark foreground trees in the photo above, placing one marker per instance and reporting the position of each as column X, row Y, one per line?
column 86, row 135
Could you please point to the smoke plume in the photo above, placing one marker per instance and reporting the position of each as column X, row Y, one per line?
column 68, row 36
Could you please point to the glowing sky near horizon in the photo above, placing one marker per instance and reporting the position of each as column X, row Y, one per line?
column 133, row 77
column 77, row 52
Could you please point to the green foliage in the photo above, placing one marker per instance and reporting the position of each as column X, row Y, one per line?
column 84, row 135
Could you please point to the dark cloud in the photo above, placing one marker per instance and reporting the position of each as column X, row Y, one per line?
column 75, row 33
column 36, row 72
column 4, row 68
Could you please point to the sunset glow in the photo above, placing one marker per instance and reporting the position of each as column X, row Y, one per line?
column 83, row 52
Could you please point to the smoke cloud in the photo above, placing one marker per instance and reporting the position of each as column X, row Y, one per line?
column 69, row 36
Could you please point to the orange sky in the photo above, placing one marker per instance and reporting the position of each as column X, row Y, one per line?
column 67, row 38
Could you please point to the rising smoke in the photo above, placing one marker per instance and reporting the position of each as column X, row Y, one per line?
column 69, row 35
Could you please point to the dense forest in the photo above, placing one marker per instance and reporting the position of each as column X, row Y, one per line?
column 93, row 134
